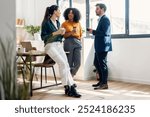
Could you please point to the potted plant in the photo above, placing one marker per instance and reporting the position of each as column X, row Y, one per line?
column 10, row 89
column 33, row 30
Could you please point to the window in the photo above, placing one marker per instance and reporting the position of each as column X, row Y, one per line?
column 129, row 18
column 115, row 11
column 81, row 6
column 139, row 20
column 63, row 5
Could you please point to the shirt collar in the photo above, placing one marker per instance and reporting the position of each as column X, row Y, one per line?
column 54, row 23
column 100, row 18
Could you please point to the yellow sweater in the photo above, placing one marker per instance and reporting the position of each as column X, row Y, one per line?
column 69, row 27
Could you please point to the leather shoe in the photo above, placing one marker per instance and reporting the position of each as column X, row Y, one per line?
column 103, row 86
column 96, row 85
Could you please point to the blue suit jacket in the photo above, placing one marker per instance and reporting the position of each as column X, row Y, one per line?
column 102, row 42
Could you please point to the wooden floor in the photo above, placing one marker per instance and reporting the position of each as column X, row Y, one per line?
column 117, row 91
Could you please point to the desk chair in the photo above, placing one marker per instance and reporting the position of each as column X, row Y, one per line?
column 48, row 63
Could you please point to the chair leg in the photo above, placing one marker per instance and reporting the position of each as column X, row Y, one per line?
column 45, row 75
column 36, row 77
column 41, row 76
column 33, row 72
column 24, row 72
column 54, row 74
column 24, row 67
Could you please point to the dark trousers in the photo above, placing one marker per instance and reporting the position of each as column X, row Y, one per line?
column 95, row 62
column 102, row 67
column 73, row 46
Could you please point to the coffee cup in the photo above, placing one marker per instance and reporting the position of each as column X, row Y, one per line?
column 63, row 30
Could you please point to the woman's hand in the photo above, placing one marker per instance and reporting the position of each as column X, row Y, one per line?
column 60, row 31
column 63, row 30
column 74, row 30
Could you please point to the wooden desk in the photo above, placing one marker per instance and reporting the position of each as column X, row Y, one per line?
column 30, row 54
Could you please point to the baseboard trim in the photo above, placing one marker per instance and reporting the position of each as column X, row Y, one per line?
column 130, row 80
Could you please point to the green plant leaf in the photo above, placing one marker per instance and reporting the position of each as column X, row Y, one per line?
column 32, row 29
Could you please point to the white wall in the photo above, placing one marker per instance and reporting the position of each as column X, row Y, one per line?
column 88, row 58
column 129, row 61
column 32, row 10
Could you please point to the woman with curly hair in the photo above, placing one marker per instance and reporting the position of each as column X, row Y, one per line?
column 52, row 35
column 72, row 36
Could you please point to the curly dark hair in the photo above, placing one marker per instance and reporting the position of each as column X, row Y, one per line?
column 76, row 12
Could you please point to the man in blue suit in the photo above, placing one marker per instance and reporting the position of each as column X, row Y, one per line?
column 102, row 44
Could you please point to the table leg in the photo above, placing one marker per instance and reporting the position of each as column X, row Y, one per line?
column 31, row 78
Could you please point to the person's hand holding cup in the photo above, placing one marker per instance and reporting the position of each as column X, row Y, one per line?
column 63, row 30
column 89, row 30
column 74, row 29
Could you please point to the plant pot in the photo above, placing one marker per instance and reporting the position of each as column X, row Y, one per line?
column 23, row 90
column 37, row 36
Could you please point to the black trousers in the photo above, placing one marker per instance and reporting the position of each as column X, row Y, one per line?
column 95, row 62
column 102, row 67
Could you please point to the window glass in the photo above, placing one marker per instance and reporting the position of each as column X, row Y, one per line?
column 115, row 11
column 139, row 17
column 63, row 5
column 81, row 6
